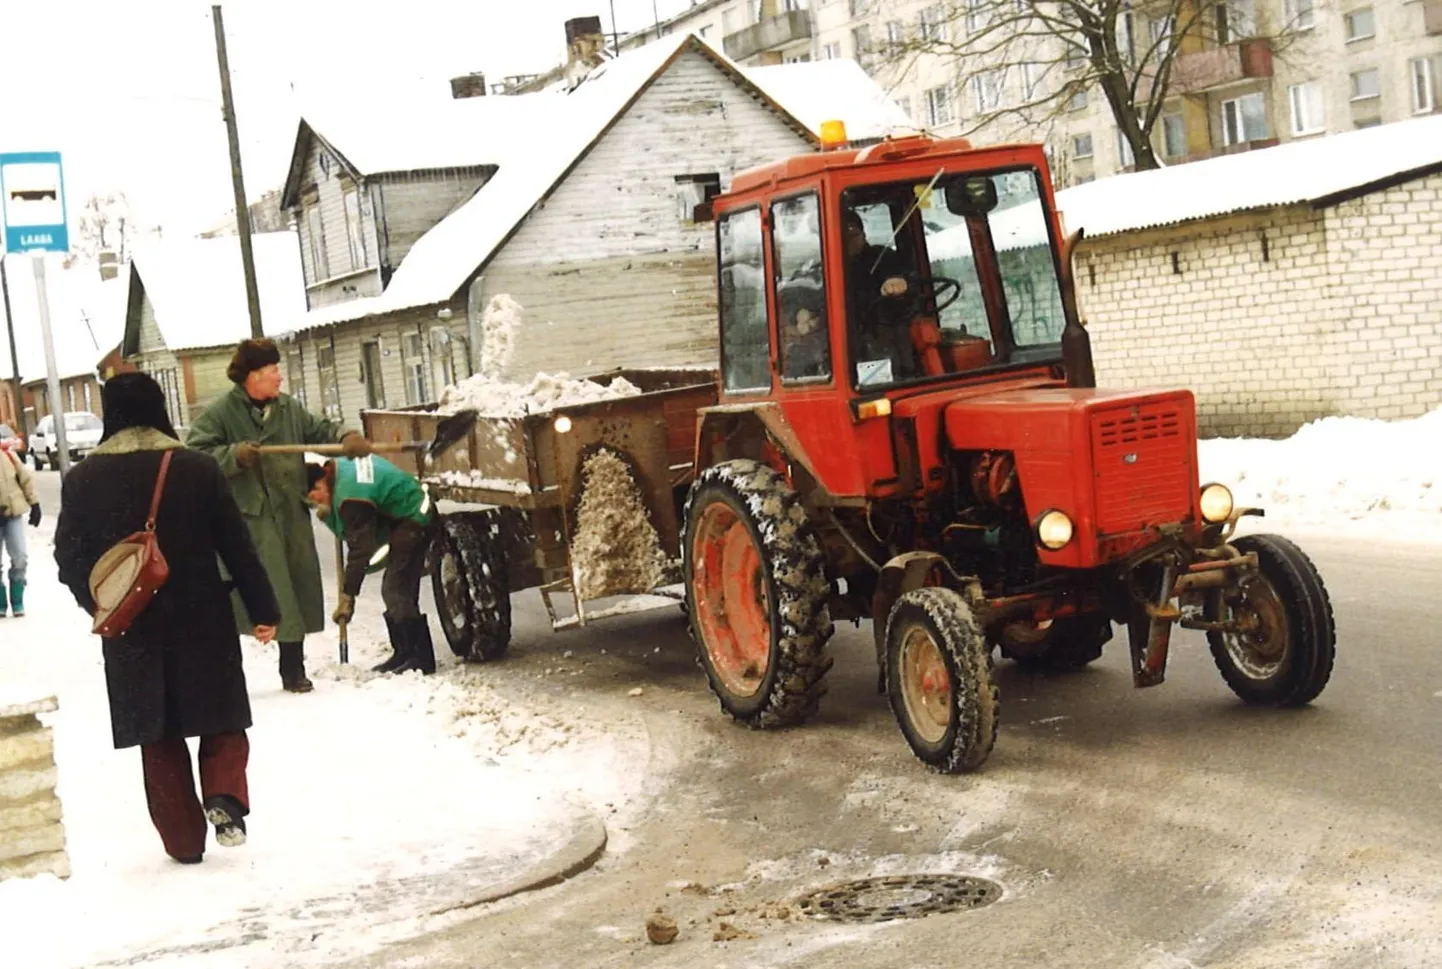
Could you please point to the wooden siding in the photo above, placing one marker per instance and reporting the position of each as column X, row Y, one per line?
column 411, row 203
column 150, row 338
column 325, row 181
column 208, row 375
column 608, row 272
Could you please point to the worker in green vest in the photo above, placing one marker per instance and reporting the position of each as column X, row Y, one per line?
column 384, row 516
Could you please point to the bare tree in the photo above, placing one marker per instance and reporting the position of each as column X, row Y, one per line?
column 105, row 224
column 1054, row 52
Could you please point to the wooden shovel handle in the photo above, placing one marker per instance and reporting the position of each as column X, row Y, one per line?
column 378, row 447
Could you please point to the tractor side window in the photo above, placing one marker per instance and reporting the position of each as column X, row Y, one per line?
column 1024, row 256
column 745, row 335
column 801, row 290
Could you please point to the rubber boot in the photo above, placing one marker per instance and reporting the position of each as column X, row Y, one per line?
column 17, row 598
column 420, row 652
column 400, row 646
column 4, row 602
column 292, row 668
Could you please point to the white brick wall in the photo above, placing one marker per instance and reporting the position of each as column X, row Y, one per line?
column 1341, row 316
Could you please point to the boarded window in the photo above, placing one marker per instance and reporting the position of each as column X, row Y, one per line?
column 354, row 227
column 745, row 335
column 413, row 359
column 329, row 387
column 315, row 241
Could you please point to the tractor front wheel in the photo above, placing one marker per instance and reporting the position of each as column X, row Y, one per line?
column 939, row 680
column 471, row 584
column 1281, row 652
column 756, row 594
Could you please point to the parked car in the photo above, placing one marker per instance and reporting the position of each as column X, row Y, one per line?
column 12, row 440
column 82, row 434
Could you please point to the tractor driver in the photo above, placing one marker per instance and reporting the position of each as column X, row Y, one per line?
column 882, row 345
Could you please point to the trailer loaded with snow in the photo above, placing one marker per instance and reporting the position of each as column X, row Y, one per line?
column 905, row 430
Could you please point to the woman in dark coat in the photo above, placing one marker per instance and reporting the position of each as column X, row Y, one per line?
column 177, row 672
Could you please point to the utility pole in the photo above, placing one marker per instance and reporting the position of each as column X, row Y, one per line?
column 237, row 180
column 14, row 356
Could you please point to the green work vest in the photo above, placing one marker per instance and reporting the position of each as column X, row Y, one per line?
column 375, row 481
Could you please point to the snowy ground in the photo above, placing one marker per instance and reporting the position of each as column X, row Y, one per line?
column 375, row 801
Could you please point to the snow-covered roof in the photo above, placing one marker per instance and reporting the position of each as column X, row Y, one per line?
column 817, row 91
column 87, row 319
column 1311, row 171
column 440, row 262
column 197, row 287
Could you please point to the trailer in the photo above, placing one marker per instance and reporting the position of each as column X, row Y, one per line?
column 510, row 492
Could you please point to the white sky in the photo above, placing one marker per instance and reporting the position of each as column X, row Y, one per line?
column 130, row 92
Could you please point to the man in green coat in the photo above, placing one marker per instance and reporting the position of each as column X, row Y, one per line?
column 271, row 490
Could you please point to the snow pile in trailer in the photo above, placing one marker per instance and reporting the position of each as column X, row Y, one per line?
column 490, row 397
column 1336, row 468
column 616, row 550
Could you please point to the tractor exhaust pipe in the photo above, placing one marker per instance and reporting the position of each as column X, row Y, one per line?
column 1076, row 343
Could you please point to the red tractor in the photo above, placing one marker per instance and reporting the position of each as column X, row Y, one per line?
column 909, row 432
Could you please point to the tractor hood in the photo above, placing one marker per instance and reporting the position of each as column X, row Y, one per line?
column 1046, row 418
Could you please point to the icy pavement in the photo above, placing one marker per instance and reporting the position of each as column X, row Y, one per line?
column 376, row 801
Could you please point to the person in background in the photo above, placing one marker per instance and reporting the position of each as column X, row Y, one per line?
column 384, row 515
column 875, row 283
column 176, row 672
column 270, row 490
column 17, row 500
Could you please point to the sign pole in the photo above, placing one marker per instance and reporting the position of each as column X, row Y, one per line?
column 14, row 356
column 52, row 375
column 237, row 179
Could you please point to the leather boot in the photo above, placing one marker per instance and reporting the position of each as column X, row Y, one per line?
column 400, row 646
column 292, row 668
column 420, row 652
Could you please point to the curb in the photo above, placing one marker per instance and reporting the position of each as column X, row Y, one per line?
column 583, row 850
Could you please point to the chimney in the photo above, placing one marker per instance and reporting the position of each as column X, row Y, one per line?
column 471, row 85
column 109, row 265
column 584, row 40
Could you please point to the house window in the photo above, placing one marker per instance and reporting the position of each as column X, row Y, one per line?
column 800, row 290
column 1424, row 86
column 1361, row 24
column 1224, row 25
column 905, row 105
column 933, row 24
column 1125, row 157
column 745, row 333
column 1161, row 30
column 975, row 16
column 354, row 227
column 939, row 106
column 989, row 88
column 693, row 192
column 1301, row 14
column 1078, row 101
column 1307, row 108
column 753, row 12
column 1244, row 119
column 861, row 39
column 329, row 387
column 89, row 403
column 1366, row 85
column 443, row 361
column 1174, row 135
column 860, row 8
column 295, row 373
column 1076, row 53
column 315, row 234
column 413, row 361
column 895, row 32
column 1031, row 75
column 1127, row 36
column 831, row 51
column 1081, row 146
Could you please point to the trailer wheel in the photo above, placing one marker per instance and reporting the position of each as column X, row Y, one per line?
column 471, row 584
column 1283, row 656
column 1065, row 644
column 756, row 594
column 939, row 680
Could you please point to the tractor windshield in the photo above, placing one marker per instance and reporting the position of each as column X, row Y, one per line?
column 947, row 275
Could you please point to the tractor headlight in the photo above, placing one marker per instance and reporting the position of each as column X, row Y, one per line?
column 1216, row 503
column 1054, row 529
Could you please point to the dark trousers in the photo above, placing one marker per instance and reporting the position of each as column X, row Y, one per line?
column 405, row 567
column 170, row 786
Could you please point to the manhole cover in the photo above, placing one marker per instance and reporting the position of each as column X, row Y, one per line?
column 899, row 897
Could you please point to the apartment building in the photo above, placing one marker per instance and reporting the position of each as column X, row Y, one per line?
column 1267, row 71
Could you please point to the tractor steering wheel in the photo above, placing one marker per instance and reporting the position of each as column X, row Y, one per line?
column 943, row 292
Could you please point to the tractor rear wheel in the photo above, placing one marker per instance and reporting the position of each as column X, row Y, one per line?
column 939, row 680
column 756, row 594
column 1283, row 653
column 471, row 584
column 1057, row 646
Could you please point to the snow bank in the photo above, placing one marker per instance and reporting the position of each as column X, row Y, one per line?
column 492, row 397
column 1337, row 467
column 616, row 549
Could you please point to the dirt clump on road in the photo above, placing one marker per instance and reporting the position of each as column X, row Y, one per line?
column 661, row 929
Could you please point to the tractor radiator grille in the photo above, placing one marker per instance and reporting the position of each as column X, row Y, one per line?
column 1142, row 456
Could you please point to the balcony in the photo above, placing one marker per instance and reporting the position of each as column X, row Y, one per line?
column 1205, row 70
column 769, row 35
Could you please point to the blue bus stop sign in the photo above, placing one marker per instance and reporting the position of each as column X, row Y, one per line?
column 32, row 202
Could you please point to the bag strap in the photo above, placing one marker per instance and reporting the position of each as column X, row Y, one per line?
column 159, row 487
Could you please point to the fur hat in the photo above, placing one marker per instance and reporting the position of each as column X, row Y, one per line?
column 249, row 356
column 134, row 400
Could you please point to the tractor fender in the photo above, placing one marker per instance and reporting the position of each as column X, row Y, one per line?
column 729, row 431
column 900, row 575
